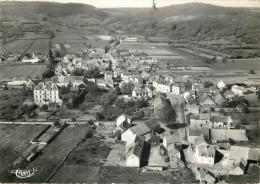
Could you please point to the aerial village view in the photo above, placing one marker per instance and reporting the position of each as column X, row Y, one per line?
column 145, row 95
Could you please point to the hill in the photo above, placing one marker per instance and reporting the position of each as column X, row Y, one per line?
column 194, row 20
column 49, row 9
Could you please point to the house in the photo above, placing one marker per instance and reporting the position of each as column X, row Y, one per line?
column 34, row 59
column 130, row 39
column 46, row 93
column 137, row 139
column 145, row 75
column 152, row 138
column 171, row 139
column 221, row 121
column 205, row 176
column 17, row 82
column 124, row 118
column 207, row 101
column 219, row 98
column 224, row 135
column 159, row 105
column 75, row 81
column 163, row 87
column 194, row 134
column 30, row 84
column 204, row 153
column 77, row 62
column 181, row 87
column 239, row 168
column 174, row 151
column 221, row 85
column 133, row 155
column 142, row 92
column 238, row 90
column 200, row 120
column 140, row 129
column 238, row 152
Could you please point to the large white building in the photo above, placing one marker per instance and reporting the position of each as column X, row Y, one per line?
column 46, row 93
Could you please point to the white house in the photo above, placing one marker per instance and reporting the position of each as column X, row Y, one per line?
column 204, row 153
column 221, row 84
column 142, row 92
column 140, row 129
column 46, row 93
column 34, row 59
column 238, row 90
column 123, row 118
column 133, row 155
column 163, row 87
column 20, row 81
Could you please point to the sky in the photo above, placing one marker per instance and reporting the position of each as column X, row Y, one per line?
column 159, row 3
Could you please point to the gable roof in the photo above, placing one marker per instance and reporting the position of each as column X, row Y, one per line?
column 46, row 85
column 160, row 100
column 134, row 149
column 145, row 127
column 238, row 152
column 72, row 79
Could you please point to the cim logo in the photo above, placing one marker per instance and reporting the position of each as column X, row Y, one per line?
column 24, row 173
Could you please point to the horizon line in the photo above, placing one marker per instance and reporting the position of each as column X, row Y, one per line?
column 110, row 4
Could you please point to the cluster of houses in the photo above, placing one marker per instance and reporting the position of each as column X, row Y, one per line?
column 34, row 58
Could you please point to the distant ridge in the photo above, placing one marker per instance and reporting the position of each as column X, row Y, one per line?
column 52, row 9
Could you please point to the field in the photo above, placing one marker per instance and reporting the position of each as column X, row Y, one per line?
column 39, row 46
column 54, row 153
column 33, row 35
column 13, row 141
column 17, row 46
column 32, row 70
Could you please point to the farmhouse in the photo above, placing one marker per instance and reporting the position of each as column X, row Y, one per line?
column 140, row 129
column 34, row 59
column 46, row 93
column 17, row 82
column 133, row 155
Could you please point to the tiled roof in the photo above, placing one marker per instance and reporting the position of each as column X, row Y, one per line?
column 134, row 149
column 226, row 134
column 46, row 85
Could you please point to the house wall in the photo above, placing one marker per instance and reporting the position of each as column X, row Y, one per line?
column 127, row 136
column 42, row 97
column 132, row 161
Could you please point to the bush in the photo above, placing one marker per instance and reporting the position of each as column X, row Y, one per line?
column 44, row 107
column 251, row 71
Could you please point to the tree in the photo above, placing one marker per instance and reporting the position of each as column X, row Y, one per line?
column 44, row 107
column 78, row 72
column 99, row 116
column 126, row 88
column 92, row 73
column 56, row 123
column 48, row 74
column 208, row 84
column 138, row 115
column 251, row 71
